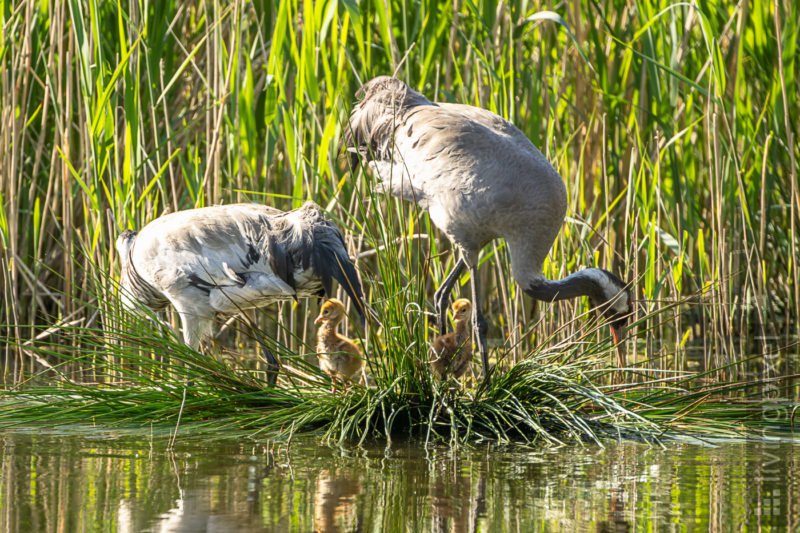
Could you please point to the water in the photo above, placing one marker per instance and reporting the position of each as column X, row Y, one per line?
column 69, row 483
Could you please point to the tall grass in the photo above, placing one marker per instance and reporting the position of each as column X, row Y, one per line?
column 670, row 123
column 137, row 373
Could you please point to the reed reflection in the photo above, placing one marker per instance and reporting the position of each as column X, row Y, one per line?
column 457, row 500
column 56, row 483
column 335, row 501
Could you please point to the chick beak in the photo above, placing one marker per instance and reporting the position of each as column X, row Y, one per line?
column 318, row 320
column 618, row 334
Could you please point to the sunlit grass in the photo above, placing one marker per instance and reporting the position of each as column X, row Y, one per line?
column 135, row 372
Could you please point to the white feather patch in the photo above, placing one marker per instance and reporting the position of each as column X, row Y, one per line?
column 259, row 290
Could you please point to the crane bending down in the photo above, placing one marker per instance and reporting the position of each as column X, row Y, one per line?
column 480, row 178
column 228, row 258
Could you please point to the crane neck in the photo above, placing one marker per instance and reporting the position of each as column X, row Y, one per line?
column 327, row 328
column 327, row 336
column 462, row 330
column 586, row 282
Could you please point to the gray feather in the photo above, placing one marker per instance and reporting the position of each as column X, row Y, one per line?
column 480, row 178
column 134, row 288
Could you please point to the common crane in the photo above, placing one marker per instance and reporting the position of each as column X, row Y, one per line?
column 227, row 258
column 339, row 357
column 453, row 351
column 480, row 178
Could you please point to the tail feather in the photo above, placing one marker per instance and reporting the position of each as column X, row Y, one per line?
column 135, row 290
column 125, row 243
column 331, row 262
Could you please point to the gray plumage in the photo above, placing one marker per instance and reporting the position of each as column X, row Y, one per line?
column 224, row 259
column 480, row 178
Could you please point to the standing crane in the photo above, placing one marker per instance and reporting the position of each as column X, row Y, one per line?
column 228, row 258
column 480, row 179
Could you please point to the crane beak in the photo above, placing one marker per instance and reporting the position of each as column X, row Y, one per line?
column 618, row 334
column 318, row 320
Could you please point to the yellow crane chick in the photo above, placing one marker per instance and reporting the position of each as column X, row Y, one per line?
column 453, row 351
column 339, row 357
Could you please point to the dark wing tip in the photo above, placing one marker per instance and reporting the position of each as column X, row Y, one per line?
column 331, row 262
column 280, row 261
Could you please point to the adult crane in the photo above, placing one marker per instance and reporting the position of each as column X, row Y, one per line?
column 480, row 178
column 227, row 258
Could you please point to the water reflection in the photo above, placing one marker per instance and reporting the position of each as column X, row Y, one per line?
column 335, row 506
column 68, row 483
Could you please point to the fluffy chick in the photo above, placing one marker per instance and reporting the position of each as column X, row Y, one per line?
column 339, row 357
column 452, row 352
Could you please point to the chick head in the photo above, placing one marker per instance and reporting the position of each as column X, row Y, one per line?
column 331, row 311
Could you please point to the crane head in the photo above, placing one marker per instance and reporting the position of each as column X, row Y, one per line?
column 615, row 304
column 332, row 310
column 462, row 309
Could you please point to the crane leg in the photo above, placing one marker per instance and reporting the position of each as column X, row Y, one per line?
column 273, row 363
column 441, row 299
column 479, row 325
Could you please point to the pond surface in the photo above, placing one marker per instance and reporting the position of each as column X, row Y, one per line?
column 69, row 483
